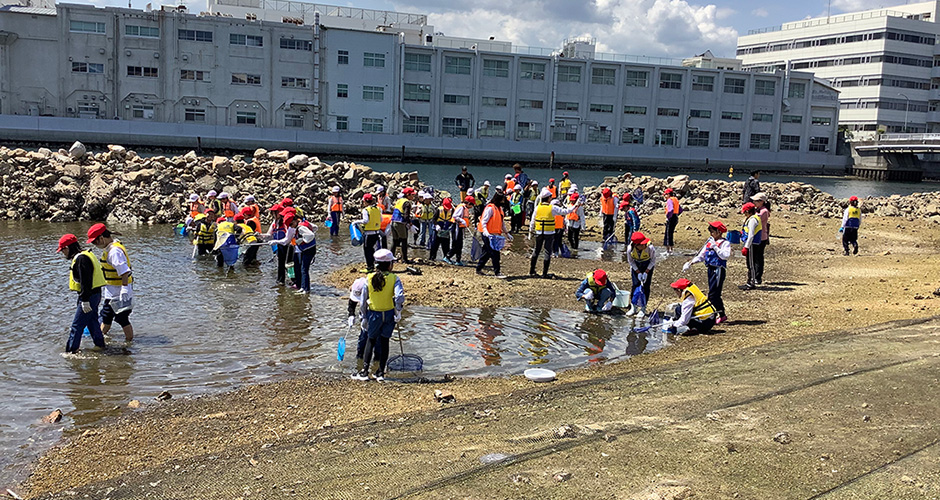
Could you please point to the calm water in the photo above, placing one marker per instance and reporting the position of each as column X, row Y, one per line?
column 442, row 177
column 200, row 329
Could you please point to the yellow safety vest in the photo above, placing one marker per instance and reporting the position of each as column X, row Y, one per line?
column 204, row 233
column 247, row 236
column 757, row 230
column 375, row 219
column 640, row 256
column 855, row 213
column 382, row 300
column 226, row 227
column 444, row 215
column 595, row 288
column 425, row 212
column 111, row 276
column 483, row 195
column 544, row 220
column 97, row 280
column 703, row 307
column 565, row 185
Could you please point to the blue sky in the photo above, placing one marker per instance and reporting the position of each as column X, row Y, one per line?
column 664, row 28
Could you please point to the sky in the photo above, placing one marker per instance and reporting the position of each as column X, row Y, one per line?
column 656, row 28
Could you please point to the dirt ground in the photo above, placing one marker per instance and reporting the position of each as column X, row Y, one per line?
column 809, row 288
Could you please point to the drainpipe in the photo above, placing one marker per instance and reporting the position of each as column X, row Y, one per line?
column 554, row 95
column 316, row 71
column 400, row 80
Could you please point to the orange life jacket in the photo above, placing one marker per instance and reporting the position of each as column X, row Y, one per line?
column 228, row 209
column 336, row 204
column 607, row 205
column 573, row 215
column 194, row 209
column 386, row 219
column 495, row 224
column 559, row 222
column 510, row 185
column 553, row 190
column 675, row 205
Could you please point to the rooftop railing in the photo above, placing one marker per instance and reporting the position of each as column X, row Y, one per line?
column 385, row 17
column 821, row 21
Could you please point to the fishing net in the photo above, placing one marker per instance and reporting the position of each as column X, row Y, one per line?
column 405, row 362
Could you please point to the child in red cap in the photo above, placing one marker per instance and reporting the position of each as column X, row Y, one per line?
column 714, row 254
column 851, row 221
column 752, row 237
column 597, row 292
column 641, row 255
column 695, row 312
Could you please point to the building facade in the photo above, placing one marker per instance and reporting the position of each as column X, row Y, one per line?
column 884, row 62
column 313, row 71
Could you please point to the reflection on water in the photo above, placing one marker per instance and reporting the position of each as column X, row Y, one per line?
column 201, row 328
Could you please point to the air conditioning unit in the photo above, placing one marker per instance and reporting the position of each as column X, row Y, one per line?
column 481, row 124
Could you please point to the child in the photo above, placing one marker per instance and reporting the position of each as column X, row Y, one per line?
column 715, row 255
column 752, row 237
column 631, row 220
column 851, row 221
column 574, row 221
column 352, row 310
column 695, row 311
column 673, row 209
column 382, row 299
column 642, row 258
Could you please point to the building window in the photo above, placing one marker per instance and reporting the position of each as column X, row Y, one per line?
column 496, row 68
column 789, row 143
column 763, row 117
column 142, row 71
column 373, row 60
column 463, row 100
column 493, row 128
column 529, row 131
column 86, row 27
column 791, row 119
column 637, row 78
column 729, row 140
column 457, row 65
column 732, row 115
column 634, row 110
column 667, row 112
column 342, row 123
column 666, row 137
column 603, row 76
column 599, row 135
column 246, row 117
column 532, row 71
column 371, row 93
column 454, row 127
column 142, row 111
column 196, row 115
column 602, row 108
column 142, row 31
column 819, row 144
column 797, row 90
column 670, row 81
column 632, row 135
column 80, row 67
column 570, row 74
column 294, row 44
column 530, row 104
column 195, row 35
column 734, row 85
column 417, row 92
column 697, row 138
column 822, row 120
column 760, row 141
column 565, row 133
column 416, row 125
column 417, row 62
column 342, row 90
column 246, row 40
column 293, row 82
column 373, row 125
column 765, row 87
column 705, row 83
column 500, row 102
column 342, row 57
column 566, row 106
column 194, row 75
column 293, row 121
column 700, row 113
column 245, row 79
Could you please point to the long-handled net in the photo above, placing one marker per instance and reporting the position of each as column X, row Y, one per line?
column 405, row 362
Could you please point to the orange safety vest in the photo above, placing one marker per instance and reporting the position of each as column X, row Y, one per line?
column 386, row 219
column 554, row 191
column 495, row 224
column 228, row 209
column 465, row 218
column 559, row 222
column 675, row 205
column 510, row 185
column 573, row 215
column 336, row 203
column 607, row 205
column 194, row 209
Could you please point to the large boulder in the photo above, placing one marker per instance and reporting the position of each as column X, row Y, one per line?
column 279, row 155
column 298, row 161
column 77, row 151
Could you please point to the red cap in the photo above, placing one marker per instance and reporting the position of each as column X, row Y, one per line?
column 277, row 207
column 245, row 210
column 625, row 197
column 853, row 198
column 288, row 219
column 573, row 197
column 95, row 231
column 606, row 192
column 681, row 284
column 239, row 218
column 668, row 191
column 551, row 180
column 65, row 241
column 367, row 197
column 447, row 203
column 639, row 238
column 718, row 225
column 220, row 219
column 748, row 206
column 407, row 191
column 288, row 212
column 287, row 202
column 623, row 205
column 600, row 277
column 469, row 199
column 565, row 174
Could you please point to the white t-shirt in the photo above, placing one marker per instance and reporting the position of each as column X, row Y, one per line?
column 118, row 261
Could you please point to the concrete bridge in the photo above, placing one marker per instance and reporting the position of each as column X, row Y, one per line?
column 897, row 157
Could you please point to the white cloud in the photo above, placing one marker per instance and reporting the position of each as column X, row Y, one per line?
column 760, row 12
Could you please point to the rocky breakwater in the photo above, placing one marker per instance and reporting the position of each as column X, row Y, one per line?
column 118, row 185
column 723, row 198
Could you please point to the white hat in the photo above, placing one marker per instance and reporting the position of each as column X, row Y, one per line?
column 335, row 189
column 193, row 198
column 379, row 189
column 486, row 183
column 517, row 188
column 384, row 255
column 759, row 197
column 355, row 292
column 509, row 176
column 573, row 188
column 535, row 183
column 545, row 193
column 249, row 199
column 223, row 194
column 211, row 193
column 426, row 196
column 470, row 192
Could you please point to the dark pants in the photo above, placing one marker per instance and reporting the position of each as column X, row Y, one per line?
column 559, row 239
column 628, row 231
column 369, row 245
column 850, row 237
column 456, row 246
column 381, row 326
column 608, row 226
column 403, row 244
column 516, row 221
column 361, row 349
column 204, row 248
column 334, row 218
column 282, row 251
column 751, row 266
column 574, row 237
column 488, row 254
column 251, row 256
column 546, row 240
column 302, row 261
column 702, row 325
column 108, row 316
column 669, row 237
column 442, row 243
column 84, row 320
column 597, row 303
column 759, row 261
column 716, row 281
column 646, row 284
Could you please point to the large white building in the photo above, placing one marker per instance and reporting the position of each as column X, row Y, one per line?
column 382, row 79
column 884, row 62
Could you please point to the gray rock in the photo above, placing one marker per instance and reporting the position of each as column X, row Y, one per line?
column 77, row 151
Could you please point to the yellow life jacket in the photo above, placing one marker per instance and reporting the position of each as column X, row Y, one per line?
column 640, row 256
column 855, row 213
column 226, row 227
column 484, row 193
column 565, row 185
column 111, row 276
column 375, row 218
column 97, row 280
column 382, row 300
column 544, row 220
column 425, row 212
column 444, row 215
column 703, row 307
column 204, row 233
column 247, row 236
column 757, row 230
column 595, row 288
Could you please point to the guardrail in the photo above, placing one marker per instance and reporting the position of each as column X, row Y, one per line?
column 820, row 21
column 908, row 137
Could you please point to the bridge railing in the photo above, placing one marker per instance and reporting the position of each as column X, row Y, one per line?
column 908, row 137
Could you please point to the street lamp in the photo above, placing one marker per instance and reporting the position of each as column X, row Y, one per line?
column 907, row 108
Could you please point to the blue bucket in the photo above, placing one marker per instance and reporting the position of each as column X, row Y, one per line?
column 734, row 237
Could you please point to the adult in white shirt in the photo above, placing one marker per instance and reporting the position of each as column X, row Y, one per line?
column 118, row 291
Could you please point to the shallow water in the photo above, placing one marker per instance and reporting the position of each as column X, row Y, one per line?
column 201, row 329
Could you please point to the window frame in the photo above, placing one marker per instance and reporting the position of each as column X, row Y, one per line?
column 458, row 65
column 373, row 60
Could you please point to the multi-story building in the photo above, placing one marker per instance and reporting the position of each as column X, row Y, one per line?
column 342, row 76
column 884, row 62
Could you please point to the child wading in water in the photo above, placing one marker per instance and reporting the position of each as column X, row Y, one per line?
column 715, row 255
column 851, row 221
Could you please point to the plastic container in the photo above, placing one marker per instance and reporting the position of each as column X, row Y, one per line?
column 355, row 235
column 734, row 237
column 539, row 375
column 120, row 306
column 289, row 267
